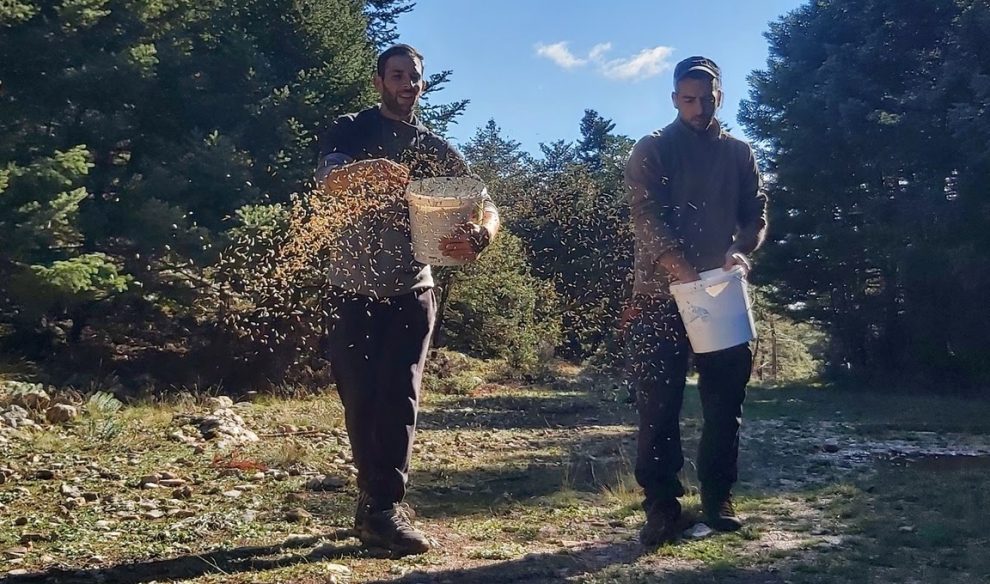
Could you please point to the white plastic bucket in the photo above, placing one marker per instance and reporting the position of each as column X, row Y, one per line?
column 438, row 205
column 716, row 310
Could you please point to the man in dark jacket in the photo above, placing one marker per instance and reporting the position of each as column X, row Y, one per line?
column 384, row 307
column 696, row 205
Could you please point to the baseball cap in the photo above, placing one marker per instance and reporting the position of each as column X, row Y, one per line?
column 697, row 64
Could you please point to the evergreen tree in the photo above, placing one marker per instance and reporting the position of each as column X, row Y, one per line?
column 872, row 118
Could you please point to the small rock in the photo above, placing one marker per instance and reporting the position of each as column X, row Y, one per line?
column 110, row 475
column 181, row 513
column 151, row 479
column 18, row 572
column 831, row 447
column 299, row 540
column 154, row 514
column 221, row 402
column 15, row 552
column 102, row 525
column 172, row 483
column 298, row 515
column 325, row 483
column 33, row 537
column 74, row 503
column 70, row 491
column 698, row 531
column 34, row 399
column 906, row 529
column 182, row 493
column 45, row 474
column 832, row 540
column 61, row 413
column 21, row 521
column 179, row 436
column 166, row 475
column 90, row 496
column 258, row 476
column 233, row 493
column 337, row 572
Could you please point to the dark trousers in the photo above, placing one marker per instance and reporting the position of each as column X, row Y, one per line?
column 377, row 349
column 657, row 365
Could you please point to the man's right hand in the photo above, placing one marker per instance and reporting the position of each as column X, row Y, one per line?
column 674, row 264
column 374, row 172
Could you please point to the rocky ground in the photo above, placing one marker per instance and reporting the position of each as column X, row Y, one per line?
column 515, row 481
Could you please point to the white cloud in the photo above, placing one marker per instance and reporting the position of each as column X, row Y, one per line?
column 598, row 51
column 560, row 54
column 645, row 64
column 648, row 63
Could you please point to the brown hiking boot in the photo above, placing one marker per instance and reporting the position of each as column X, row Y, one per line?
column 720, row 513
column 364, row 504
column 391, row 529
column 662, row 523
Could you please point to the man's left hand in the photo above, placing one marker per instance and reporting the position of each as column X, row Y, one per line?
column 465, row 242
column 734, row 257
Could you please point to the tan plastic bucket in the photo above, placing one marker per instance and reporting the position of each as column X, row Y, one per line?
column 438, row 205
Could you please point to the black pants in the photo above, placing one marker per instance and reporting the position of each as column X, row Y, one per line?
column 657, row 362
column 378, row 348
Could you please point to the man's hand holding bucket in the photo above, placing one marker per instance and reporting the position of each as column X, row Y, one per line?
column 735, row 257
column 466, row 242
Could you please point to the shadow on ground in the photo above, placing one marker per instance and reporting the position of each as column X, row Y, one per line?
column 226, row 561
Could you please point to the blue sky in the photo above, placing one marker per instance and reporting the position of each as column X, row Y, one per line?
column 536, row 65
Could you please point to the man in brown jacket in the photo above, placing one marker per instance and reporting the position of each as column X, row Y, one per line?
column 696, row 205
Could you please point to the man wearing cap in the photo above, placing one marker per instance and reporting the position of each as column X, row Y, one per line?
column 383, row 306
column 696, row 205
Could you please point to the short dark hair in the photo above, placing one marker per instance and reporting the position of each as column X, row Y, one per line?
column 400, row 49
column 700, row 76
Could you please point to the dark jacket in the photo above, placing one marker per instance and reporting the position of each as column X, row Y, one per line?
column 375, row 255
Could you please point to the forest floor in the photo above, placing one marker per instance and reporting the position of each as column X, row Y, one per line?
column 514, row 481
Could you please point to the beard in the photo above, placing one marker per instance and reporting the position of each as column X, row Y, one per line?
column 391, row 101
column 701, row 123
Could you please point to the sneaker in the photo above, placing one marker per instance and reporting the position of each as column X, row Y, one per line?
column 391, row 529
column 720, row 513
column 662, row 523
